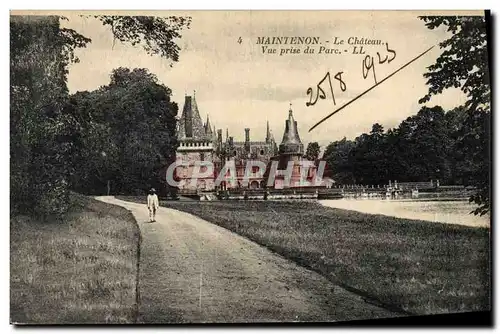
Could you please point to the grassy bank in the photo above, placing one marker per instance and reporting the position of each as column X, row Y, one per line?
column 81, row 268
column 420, row 267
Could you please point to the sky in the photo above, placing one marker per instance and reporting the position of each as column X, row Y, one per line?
column 238, row 86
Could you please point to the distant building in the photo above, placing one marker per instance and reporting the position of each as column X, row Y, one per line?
column 199, row 142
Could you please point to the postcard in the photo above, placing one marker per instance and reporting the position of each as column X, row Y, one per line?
column 214, row 167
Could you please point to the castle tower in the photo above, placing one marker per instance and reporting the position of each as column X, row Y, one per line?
column 291, row 150
column 291, row 143
column 195, row 146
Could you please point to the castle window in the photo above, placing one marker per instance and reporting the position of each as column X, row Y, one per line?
column 261, row 152
column 202, row 156
column 234, row 153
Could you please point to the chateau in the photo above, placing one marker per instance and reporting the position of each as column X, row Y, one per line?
column 198, row 141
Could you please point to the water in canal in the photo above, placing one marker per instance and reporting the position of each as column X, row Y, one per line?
column 452, row 211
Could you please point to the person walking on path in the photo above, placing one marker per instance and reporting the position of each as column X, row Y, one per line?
column 152, row 204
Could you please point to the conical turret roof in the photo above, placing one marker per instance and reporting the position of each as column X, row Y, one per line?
column 208, row 127
column 291, row 143
column 190, row 124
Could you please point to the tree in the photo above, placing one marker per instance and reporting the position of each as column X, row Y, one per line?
column 130, row 136
column 421, row 148
column 156, row 35
column 337, row 161
column 464, row 64
column 43, row 130
column 377, row 131
column 40, row 132
column 312, row 151
column 425, row 142
column 367, row 159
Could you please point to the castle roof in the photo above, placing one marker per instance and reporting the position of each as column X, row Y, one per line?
column 208, row 127
column 291, row 143
column 251, row 143
column 190, row 124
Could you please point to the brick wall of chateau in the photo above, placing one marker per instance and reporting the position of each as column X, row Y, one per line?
column 185, row 172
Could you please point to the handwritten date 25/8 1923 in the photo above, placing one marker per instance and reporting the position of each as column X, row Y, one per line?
column 368, row 65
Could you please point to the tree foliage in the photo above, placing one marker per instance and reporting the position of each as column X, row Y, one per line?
column 129, row 134
column 463, row 64
column 423, row 147
column 337, row 160
column 464, row 61
column 49, row 131
column 155, row 34
column 312, row 151
column 40, row 130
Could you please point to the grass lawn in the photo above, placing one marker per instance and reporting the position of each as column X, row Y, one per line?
column 81, row 268
column 415, row 266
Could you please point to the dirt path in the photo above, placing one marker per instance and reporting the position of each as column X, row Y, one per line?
column 195, row 271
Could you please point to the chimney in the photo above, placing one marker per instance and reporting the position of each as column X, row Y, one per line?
column 231, row 141
column 247, row 135
column 247, row 139
column 268, row 133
